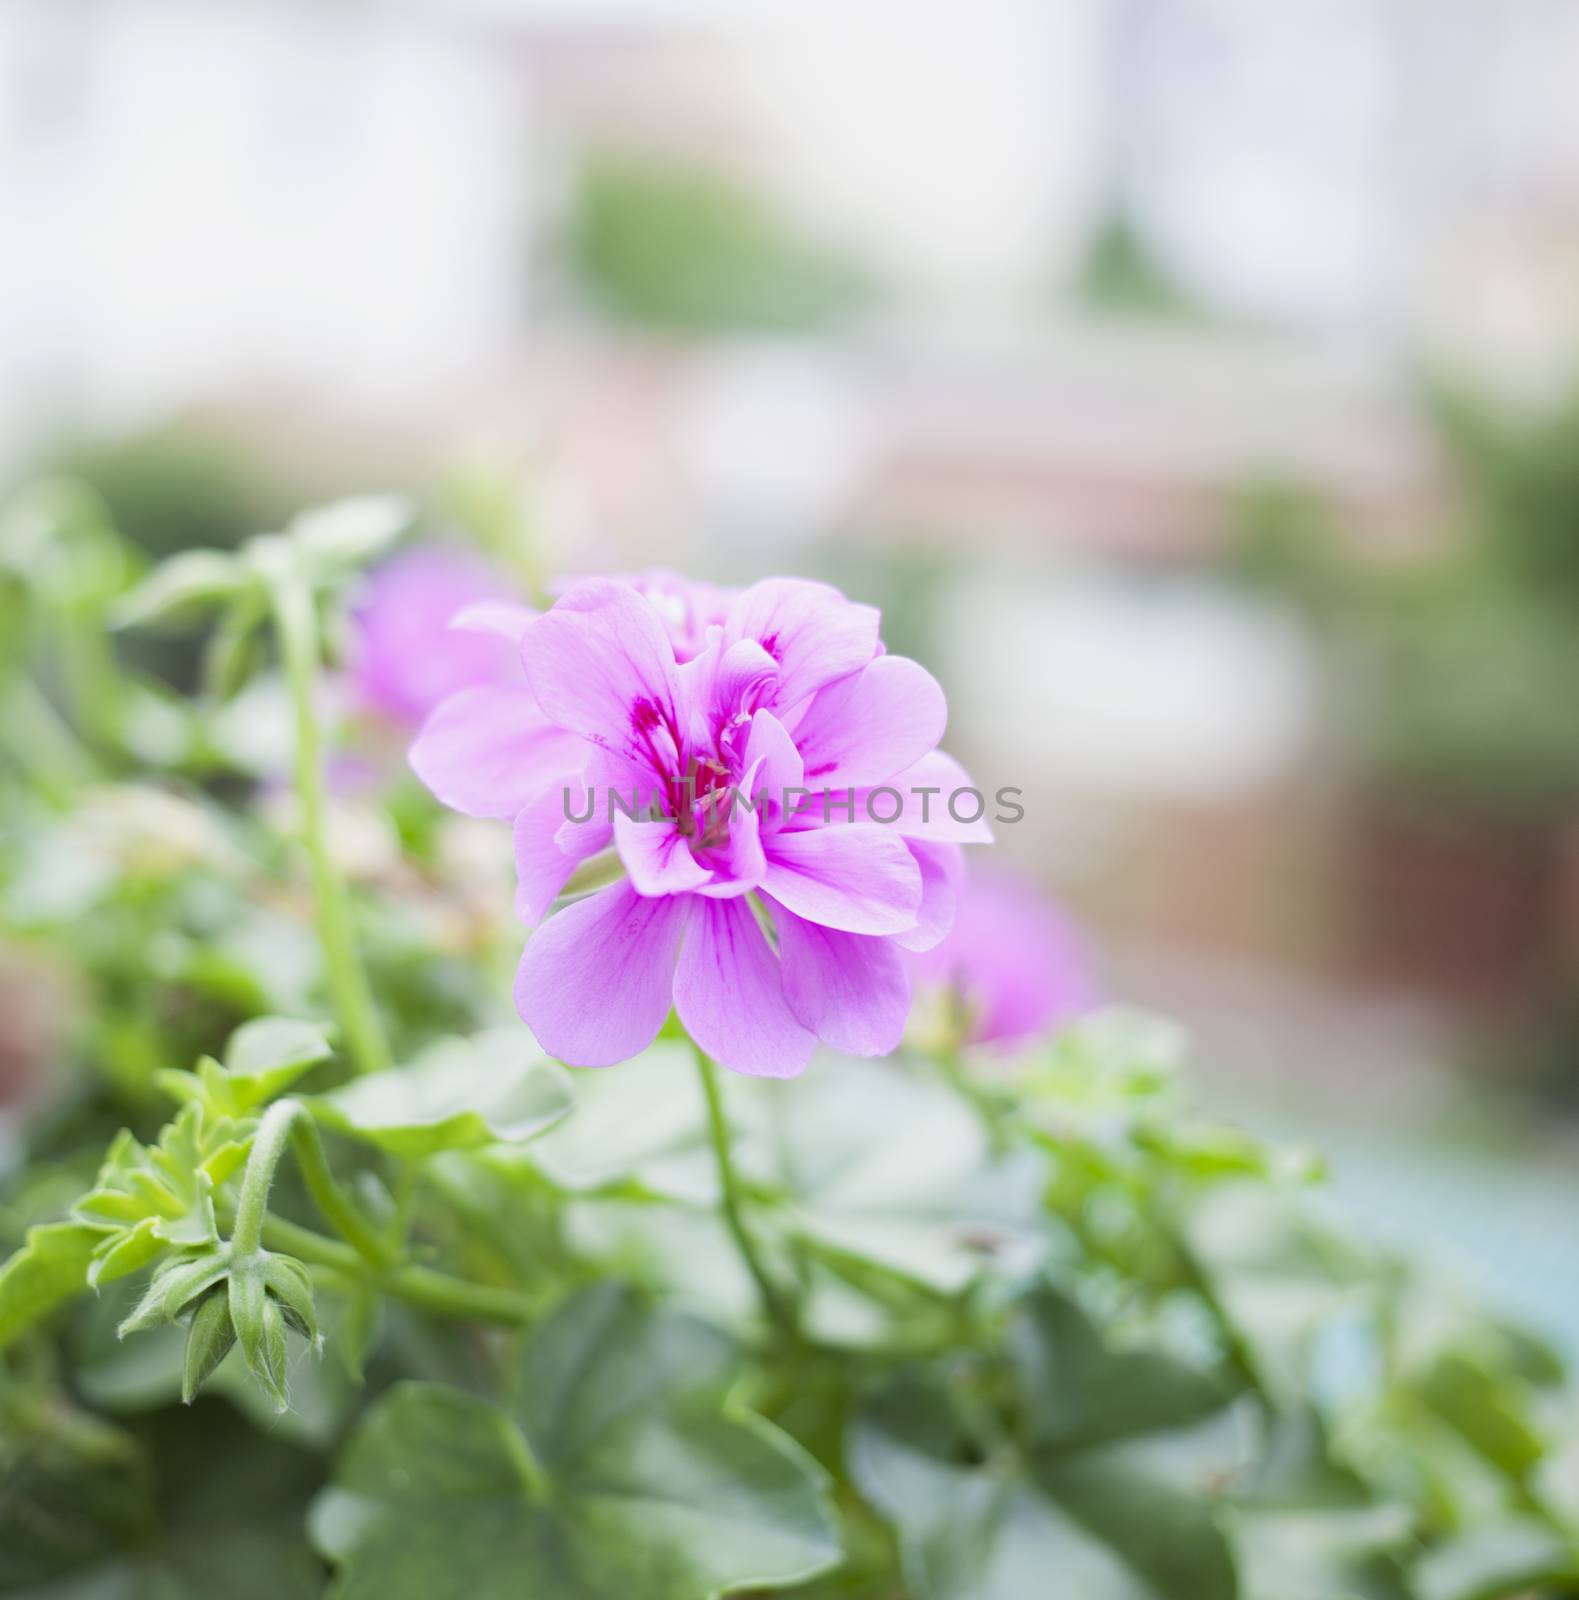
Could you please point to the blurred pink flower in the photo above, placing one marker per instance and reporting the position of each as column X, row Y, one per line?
column 1012, row 958
column 689, row 701
column 404, row 657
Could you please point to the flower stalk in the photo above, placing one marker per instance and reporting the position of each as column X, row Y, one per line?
column 289, row 1122
column 296, row 625
column 424, row 1287
column 778, row 1308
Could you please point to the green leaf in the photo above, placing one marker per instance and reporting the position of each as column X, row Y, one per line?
column 347, row 533
column 150, row 1198
column 234, row 649
column 1279, row 1279
column 73, row 1489
column 494, row 1088
column 183, row 589
column 200, row 1505
column 1107, row 1067
column 210, row 1336
column 618, row 1472
column 50, row 1268
column 180, row 1281
column 882, row 1166
column 263, row 1058
column 634, row 1125
column 270, row 1045
column 1487, row 1407
column 1304, row 1528
column 55, row 535
column 1503, row 1558
column 1097, row 1490
column 878, row 1181
column 1080, row 1391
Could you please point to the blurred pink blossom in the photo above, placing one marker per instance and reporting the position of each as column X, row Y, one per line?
column 405, row 657
column 1012, row 958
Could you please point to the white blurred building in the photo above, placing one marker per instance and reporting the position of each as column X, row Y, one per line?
column 1405, row 167
column 336, row 198
column 201, row 196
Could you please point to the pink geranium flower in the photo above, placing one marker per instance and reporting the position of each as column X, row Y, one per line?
column 767, row 925
column 403, row 658
column 1013, row 961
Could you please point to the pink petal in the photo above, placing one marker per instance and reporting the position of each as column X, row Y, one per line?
column 549, row 847
column 927, row 816
column 489, row 751
column 1013, row 958
column 724, row 685
column 737, row 866
column 942, row 872
column 657, row 857
column 602, row 666
column 403, row 659
column 810, row 629
column 617, row 787
column 850, row 989
column 856, row 876
column 772, row 752
column 596, row 980
column 728, row 994
column 870, row 725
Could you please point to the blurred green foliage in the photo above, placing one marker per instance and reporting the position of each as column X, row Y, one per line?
column 176, row 488
column 1462, row 662
column 675, row 245
column 1121, row 277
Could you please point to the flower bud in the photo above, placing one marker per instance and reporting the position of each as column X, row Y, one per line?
column 208, row 1340
column 260, row 1326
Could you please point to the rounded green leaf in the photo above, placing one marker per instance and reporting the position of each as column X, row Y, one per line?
column 346, row 533
column 1516, row 1556
column 51, row 1267
column 622, row 1473
column 1079, row 1501
column 183, row 588
column 273, row 1044
column 494, row 1088
column 263, row 1058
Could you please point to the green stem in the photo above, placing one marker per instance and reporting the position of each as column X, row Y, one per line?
column 332, row 1201
column 292, row 1239
column 419, row 1286
column 43, row 745
column 778, row 1309
column 252, row 1208
column 297, row 627
column 1235, row 1346
column 92, row 676
column 535, row 1482
column 457, row 1297
column 290, row 1122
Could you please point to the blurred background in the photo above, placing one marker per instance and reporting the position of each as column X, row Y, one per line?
column 1191, row 381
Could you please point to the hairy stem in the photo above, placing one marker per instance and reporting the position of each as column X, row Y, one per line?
column 297, row 628
column 252, row 1208
column 334, row 1204
column 289, row 1122
column 779, row 1310
column 424, row 1287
